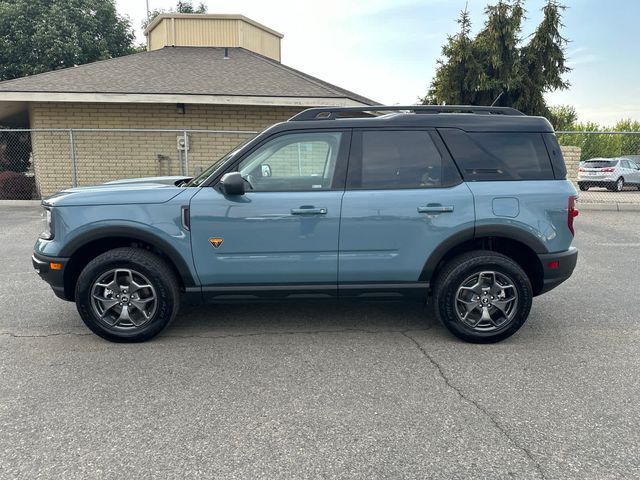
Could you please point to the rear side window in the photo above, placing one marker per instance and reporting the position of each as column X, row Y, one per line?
column 499, row 156
column 398, row 159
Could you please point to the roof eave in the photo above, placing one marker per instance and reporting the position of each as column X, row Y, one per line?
column 255, row 100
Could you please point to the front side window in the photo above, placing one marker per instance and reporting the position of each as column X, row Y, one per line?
column 397, row 159
column 293, row 162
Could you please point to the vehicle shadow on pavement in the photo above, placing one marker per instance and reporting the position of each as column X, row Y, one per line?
column 299, row 316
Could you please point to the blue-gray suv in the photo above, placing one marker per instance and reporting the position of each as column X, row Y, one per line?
column 467, row 205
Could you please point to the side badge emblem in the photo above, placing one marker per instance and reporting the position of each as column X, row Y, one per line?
column 216, row 241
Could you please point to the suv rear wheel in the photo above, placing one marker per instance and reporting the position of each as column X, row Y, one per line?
column 127, row 295
column 618, row 186
column 483, row 296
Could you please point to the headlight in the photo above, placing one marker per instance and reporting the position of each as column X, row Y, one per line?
column 48, row 232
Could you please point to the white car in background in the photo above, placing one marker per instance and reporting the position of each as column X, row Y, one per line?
column 610, row 173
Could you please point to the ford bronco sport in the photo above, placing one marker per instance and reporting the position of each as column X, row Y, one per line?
column 469, row 205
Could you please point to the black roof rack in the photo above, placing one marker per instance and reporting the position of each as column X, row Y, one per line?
column 332, row 113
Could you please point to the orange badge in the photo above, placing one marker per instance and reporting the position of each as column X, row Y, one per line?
column 216, row 241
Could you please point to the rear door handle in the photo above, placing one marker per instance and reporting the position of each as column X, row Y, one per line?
column 435, row 208
column 309, row 211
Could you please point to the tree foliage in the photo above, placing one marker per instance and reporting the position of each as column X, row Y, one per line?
column 41, row 35
column 563, row 117
column 497, row 66
column 623, row 138
column 183, row 6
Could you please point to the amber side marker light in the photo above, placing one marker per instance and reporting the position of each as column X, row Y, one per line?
column 55, row 266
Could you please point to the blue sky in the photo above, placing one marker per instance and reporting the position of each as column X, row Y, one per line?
column 387, row 49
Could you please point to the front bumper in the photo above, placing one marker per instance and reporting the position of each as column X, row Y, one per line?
column 54, row 277
column 557, row 267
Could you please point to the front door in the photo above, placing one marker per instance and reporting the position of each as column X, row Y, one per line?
column 281, row 236
column 404, row 197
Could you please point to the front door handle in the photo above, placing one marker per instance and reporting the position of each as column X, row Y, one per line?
column 435, row 208
column 309, row 210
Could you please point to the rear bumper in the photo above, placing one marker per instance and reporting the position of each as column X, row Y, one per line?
column 597, row 183
column 55, row 278
column 557, row 267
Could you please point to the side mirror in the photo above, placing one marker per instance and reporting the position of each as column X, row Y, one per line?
column 232, row 183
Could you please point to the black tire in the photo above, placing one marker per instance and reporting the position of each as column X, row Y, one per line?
column 584, row 188
column 162, row 284
column 452, row 277
column 618, row 186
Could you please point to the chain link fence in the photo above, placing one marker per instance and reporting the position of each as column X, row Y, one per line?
column 40, row 162
column 605, row 166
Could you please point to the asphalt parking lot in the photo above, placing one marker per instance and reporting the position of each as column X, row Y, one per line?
column 326, row 390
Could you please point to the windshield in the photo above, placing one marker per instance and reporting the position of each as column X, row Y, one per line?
column 199, row 180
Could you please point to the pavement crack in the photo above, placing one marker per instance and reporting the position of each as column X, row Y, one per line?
column 474, row 403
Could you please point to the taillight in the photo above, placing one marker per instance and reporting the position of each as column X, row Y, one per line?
column 572, row 213
column 608, row 170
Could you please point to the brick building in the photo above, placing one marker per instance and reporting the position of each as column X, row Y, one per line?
column 201, row 72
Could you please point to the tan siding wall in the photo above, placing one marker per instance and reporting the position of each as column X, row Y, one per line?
column 105, row 156
column 204, row 32
column 257, row 40
column 214, row 32
column 158, row 36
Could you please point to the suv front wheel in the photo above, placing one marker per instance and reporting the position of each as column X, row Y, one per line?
column 127, row 295
column 482, row 296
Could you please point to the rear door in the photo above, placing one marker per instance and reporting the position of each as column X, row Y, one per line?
column 404, row 197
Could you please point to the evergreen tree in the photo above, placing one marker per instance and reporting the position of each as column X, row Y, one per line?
column 495, row 66
column 543, row 61
column 459, row 74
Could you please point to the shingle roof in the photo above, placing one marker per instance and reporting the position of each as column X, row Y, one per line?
column 184, row 71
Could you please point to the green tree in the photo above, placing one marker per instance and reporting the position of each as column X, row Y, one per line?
column 41, row 35
column 606, row 145
column 495, row 66
column 543, row 62
column 563, row 117
column 459, row 73
column 185, row 6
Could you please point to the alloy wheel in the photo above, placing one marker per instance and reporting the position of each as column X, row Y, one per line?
column 123, row 299
column 486, row 301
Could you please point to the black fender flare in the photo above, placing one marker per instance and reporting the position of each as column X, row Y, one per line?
column 133, row 233
column 476, row 233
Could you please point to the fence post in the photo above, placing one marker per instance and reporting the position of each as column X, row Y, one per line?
column 72, row 154
column 186, row 154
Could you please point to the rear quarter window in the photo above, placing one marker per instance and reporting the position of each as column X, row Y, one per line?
column 499, row 156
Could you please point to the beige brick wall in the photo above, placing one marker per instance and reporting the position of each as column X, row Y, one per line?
column 104, row 156
column 572, row 160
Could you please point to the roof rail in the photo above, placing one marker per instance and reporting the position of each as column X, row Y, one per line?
column 332, row 113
